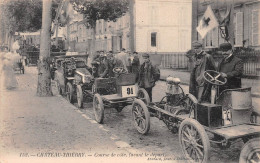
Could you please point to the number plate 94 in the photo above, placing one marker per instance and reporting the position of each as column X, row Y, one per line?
column 129, row 91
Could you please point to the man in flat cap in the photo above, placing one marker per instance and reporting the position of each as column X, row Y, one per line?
column 113, row 63
column 148, row 75
column 230, row 67
column 202, row 61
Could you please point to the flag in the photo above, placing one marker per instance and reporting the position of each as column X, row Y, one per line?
column 207, row 23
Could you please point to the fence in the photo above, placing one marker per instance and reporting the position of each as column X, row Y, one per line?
column 180, row 61
column 176, row 61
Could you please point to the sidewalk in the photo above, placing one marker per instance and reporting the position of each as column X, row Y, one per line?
column 185, row 79
column 36, row 129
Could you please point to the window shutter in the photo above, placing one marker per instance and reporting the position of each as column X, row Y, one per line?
column 239, row 29
column 255, row 27
column 215, row 37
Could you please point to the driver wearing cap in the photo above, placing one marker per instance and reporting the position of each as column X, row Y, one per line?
column 113, row 63
column 230, row 67
column 202, row 61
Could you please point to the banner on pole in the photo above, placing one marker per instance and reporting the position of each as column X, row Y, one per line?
column 207, row 22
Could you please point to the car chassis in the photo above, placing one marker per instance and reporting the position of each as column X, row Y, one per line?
column 221, row 122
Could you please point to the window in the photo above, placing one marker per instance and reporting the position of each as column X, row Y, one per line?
column 239, row 29
column 153, row 39
column 255, row 28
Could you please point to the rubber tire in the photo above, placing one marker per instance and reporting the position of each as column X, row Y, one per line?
column 98, row 116
column 146, row 114
column 146, row 98
column 79, row 96
column 59, row 88
column 203, row 136
column 69, row 90
column 252, row 145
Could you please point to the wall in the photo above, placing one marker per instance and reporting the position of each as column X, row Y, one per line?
column 246, row 23
column 169, row 19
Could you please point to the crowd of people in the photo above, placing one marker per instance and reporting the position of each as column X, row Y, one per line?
column 146, row 74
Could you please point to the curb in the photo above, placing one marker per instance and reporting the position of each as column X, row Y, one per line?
column 256, row 95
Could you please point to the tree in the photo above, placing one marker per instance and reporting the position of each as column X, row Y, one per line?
column 44, row 76
column 94, row 10
column 26, row 16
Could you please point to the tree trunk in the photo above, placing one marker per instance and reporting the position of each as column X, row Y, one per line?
column 93, row 47
column 44, row 76
column 132, row 25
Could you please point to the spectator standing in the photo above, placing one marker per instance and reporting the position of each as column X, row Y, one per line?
column 202, row 61
column 123, row 57
column 135, row 64
column 103, row 65
column 148, row 75
column 230, row 67
column 129, row 58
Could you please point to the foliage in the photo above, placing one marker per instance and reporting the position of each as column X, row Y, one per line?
column 24, row 15
column 100, row 9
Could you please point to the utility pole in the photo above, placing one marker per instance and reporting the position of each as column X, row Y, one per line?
column 44, row 76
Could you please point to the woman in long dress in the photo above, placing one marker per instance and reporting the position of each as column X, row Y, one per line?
column 9, row 59
column 10, row 81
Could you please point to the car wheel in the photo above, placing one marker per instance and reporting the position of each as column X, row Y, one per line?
column 79, row 96
column 194, row 141
column 141, row 116
column 250, row 151
column 69, row 92
column 98, row 107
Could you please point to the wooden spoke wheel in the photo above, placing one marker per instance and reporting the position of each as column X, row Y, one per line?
column 194, row 141
column 59, row 88
column 250, row 152
column 98, row 107
column 143, row 95
column 79, row 96
column 141, row 116
column 69, row 92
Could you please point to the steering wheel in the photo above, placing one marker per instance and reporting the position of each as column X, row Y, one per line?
column 119, row 70
column 214, row 77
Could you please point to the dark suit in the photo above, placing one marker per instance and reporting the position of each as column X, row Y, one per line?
column 198, row 86
column 148, row 75
column 233, row 67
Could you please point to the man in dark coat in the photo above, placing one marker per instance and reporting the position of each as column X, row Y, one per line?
column 102, row 65
column 112, row 63
column 230, row 67
column 201, row 61
column 135, row 64
column 148, row 75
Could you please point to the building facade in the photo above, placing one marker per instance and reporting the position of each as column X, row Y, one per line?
column 161, row 26
column 245, row 19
